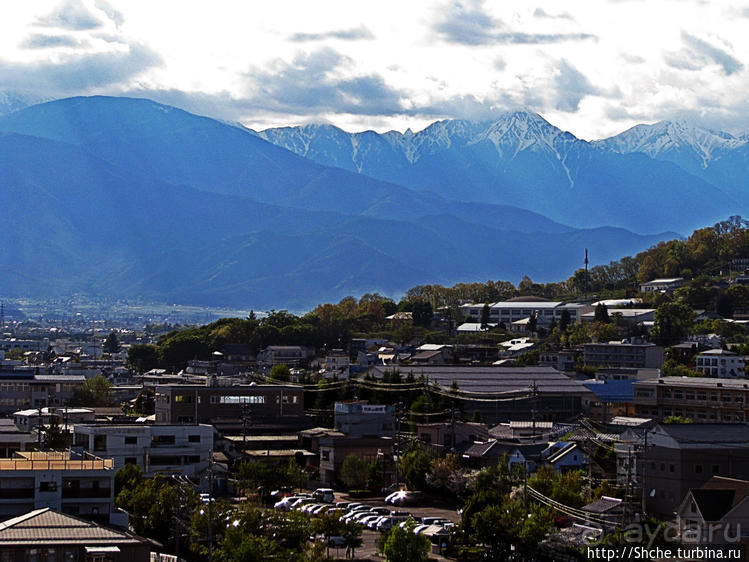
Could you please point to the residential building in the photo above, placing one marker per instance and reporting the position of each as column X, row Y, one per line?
column 183, row 449
column 13, row 439
column 68, row 482
column 700, row 399
column 563, row 360
column 226, row 406
column 335, row 449
column 359, row 418
column 721, row 363
column 627, row 317
column 447, row 435
column 25, row 387
column 715, row 513
column 665, row 285
column 679, row 457
column 8, row 344
column 289, row 355
column 46, row 534
column 26, row 420
column 623, row 353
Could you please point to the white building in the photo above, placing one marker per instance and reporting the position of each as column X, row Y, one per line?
column 721, row 364
column 184, row 449
column 520, row 308
column 666, row 285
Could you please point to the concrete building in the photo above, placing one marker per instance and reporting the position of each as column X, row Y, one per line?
column 74, row 484
column 184, row 449
column 359, row 418
column 679, row 457
column 289, row 355
column 721, row 363
column 637, row 355
column 445, row 435
column 700, row 399
column 26, row 420
column 519, row 308
column 227, row 406
column 335, row 449
column 13, row 439
column 25, row 387
column 665, row 285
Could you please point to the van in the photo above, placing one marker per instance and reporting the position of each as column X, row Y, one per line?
column 324, row 495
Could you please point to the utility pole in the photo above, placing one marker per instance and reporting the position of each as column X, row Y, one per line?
column 586, row 273
column 210, row 507
column 452, row 423
column 397, row 453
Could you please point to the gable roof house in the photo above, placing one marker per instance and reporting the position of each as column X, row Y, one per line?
column 715, row 513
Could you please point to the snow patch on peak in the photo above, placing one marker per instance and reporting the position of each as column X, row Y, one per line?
column 666, row 136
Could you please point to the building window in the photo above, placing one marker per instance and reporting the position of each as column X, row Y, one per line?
column 162, row 439
column 698, row 468
column 130, row 460
column 670, row 468
column 184, row 398
column 47, row 486
column 193, row 438
column 131, row 440
column 325, row 455
column 716, row 469
column 100, row 442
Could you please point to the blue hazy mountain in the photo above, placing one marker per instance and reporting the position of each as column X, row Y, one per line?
column 124, row 197
column 715, row 156
column 520, row 159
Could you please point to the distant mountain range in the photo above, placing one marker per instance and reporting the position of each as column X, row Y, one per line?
column 522, row 160
column 127, row 197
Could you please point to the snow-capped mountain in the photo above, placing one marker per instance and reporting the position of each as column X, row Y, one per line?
column 665, row 137
column 521, row 159
column 11, row 100
column 715, row 156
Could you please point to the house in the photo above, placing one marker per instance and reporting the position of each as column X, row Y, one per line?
column 715, row 513
column 563, row 456
column 289, row 355
column 606, row 509
column 721, row 363
column 445, row 436
column 47, row 534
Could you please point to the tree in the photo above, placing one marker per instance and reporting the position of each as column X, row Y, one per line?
column 601, row 314
column 414, row 466
column 96, row 391
column 564, row 320
column 485, row 317
column 422, row 313
column 143, row 357
column 112, row 343
column 673, row 322
column 280, row 373
column 128, row 477
column 402, row 545
column 54, row 437
column 354, row 472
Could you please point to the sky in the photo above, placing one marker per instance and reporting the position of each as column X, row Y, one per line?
column 592, row 67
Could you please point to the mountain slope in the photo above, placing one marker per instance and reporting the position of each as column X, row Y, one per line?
column 717, row 157
column 77, row 223
column 524, row 161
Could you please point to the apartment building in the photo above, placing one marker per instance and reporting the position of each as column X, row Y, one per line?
column 512, row 310
column 25, row 387
column 700, row 399
column 184, row 449
column 721, row 363
column 359, row 418
column 635, row 355
column 64, row 481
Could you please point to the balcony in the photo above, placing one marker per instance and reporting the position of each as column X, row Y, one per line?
column 16, row 493
column 86, row 493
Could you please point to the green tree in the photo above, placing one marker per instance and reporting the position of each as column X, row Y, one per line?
column 143, row 357
column 112, row 343
column 128, row 477
column 96, row 391
column 402, row 545
column 485, row 317
column 414, row 465
column 601, row 314
column 564, row 320
column 354, row 472
column 280, row 373
column 673, row 322
column 55, row 437
column 422, row 313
